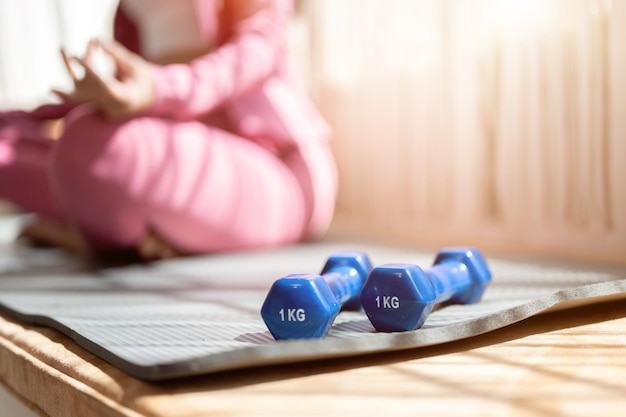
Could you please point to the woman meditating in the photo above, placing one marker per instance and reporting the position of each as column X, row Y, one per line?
column 203, row 140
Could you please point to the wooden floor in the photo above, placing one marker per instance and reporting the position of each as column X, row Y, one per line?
column 570, row 363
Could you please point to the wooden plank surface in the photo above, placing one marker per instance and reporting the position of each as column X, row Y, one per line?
column 570, row 362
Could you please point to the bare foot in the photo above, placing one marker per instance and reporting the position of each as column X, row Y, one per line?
column 53, row 233
column 48, row 232
column 153, row 247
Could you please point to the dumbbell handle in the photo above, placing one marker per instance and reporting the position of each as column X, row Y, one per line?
column 449, row 279
column 344, row 282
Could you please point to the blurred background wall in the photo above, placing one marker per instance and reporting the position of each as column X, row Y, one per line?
column 31, row 33
column 496, row 123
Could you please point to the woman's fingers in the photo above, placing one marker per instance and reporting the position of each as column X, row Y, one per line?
column 67, row 60
column 91, row 77
column 92, row 46
column 130, row 92
column 90, row 88
column 65, row 97
column 86, row 62
column 116, row 50
column 122, row 57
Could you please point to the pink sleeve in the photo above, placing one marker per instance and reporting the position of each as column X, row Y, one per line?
column 256, row 47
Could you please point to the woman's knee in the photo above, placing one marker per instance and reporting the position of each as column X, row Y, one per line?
column 90, row 170
column 92, row 148
column 316, row 170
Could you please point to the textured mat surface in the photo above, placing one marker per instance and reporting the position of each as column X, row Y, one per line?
column 201, row 315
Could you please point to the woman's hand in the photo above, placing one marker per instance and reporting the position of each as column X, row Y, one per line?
column 130, row 93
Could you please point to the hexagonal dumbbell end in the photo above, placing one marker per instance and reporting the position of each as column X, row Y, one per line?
column 399, row 297
column 300, row 306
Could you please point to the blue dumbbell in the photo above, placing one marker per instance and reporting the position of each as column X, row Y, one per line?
column 399, row 297
column 301, row 306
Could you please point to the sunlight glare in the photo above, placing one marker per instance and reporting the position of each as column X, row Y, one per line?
column 519, row 19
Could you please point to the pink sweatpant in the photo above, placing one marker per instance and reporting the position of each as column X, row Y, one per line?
column 203, row 189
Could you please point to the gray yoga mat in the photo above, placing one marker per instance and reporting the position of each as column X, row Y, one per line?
column 201, row 315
